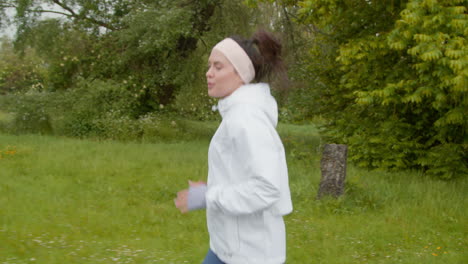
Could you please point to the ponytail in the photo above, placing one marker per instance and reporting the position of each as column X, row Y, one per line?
column 264, row 50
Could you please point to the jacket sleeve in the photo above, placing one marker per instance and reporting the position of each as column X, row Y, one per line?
column 257, row 156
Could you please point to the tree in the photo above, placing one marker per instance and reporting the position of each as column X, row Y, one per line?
column 143, row 44
column 90, row 14
column 423, row 98
column 392, row 80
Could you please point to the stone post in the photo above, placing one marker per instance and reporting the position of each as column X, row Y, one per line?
column 333, row 167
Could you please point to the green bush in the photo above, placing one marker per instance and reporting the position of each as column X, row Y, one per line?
column 395, row 88
column 19, row 72
column 91, row 104
column 5, row 120
column 193, row 101
column 96, row 109
column 30, row 114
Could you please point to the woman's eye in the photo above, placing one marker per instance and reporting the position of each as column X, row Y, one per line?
column 216, row 66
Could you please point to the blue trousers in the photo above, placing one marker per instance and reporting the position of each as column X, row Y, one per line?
column 211, row 258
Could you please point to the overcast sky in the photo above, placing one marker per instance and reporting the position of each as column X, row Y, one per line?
column 10, row 30
column 10, row 12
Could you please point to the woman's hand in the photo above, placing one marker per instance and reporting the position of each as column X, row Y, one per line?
column 181, row 202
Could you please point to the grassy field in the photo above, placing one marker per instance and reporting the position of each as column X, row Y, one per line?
column 82, row 201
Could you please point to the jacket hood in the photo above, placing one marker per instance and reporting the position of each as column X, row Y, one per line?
column 256, row 94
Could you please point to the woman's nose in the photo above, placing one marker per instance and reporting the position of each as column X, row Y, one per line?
column 209, row 73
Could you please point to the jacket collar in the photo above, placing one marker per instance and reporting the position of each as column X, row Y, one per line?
column 248, row 93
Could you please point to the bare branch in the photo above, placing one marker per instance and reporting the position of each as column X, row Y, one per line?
column 62, row 5
column 52, row 11
column 83, row 17
column 6, row 6
column 311, row 27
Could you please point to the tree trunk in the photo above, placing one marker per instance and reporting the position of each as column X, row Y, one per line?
column 333, row 167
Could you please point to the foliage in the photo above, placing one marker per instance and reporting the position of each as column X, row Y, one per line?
column 66, row 53
column 437, row 50
column 156, row 50
column 145, row 44
column 95, row 109
column 73, row 112
column 194, row 102
column 91, row 101
column 19, row 74
column 410, row 86
column 389, row 77
column 31, row 115
column 88, row 14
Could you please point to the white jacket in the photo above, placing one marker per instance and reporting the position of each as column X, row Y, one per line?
column 248, row 191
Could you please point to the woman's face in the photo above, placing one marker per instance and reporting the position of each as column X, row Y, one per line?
column 221, row 76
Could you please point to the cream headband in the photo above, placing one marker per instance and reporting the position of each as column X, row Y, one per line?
column 238, row 58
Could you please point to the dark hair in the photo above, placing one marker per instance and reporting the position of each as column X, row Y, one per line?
column 264, row 50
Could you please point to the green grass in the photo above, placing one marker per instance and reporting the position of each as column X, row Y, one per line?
column 82, row 201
